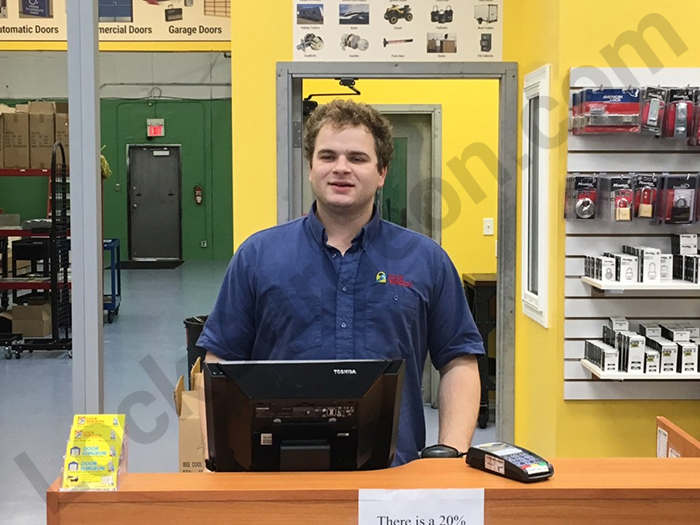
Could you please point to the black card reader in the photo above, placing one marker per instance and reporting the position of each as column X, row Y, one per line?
column 509, row 461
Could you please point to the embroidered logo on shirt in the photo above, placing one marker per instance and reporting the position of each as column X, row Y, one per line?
column 383, row 278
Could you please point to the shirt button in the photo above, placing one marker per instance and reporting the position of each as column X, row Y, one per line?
column 334, row 255
column 344, row 288
column 396, row 298
column 343, row 325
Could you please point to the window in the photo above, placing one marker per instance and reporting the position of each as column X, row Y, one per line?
column 535, row 196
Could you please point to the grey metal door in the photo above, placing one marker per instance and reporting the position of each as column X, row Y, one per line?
column 154, row 202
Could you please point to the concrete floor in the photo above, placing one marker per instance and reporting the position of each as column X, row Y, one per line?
column 144, row 355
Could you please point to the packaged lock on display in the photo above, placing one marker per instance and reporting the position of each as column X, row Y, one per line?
column 608, row 111
column 676, row 199
column 653, row 109
column 617, row 198
column 581, row 197
column 679, row 115
column 645, row 189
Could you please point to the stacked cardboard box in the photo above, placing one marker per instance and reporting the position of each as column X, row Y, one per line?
column 14, row 135
column 29, row 131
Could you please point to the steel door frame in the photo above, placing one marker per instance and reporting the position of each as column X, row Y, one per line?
column 290, row 77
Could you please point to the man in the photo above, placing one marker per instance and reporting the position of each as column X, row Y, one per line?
column 341, row 283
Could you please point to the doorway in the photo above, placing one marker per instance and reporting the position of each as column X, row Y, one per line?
column 290, row 92
column 155, row 229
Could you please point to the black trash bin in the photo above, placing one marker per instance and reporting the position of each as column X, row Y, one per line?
column 193, row 329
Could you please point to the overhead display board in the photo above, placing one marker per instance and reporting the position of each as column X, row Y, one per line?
column 411, row 31
column 121, row 20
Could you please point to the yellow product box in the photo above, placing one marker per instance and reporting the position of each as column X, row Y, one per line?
column 96, row 452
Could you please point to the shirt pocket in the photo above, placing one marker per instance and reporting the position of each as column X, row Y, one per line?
column 291, row 322
column 391, row 315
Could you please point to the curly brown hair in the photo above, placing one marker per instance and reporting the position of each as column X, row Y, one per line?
column 342, row 113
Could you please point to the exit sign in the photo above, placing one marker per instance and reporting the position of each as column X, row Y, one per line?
column 155, row 127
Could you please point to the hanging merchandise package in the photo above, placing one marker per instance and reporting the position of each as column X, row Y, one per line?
column 617, row 197
column 582, row 196
column 679, row 115
column 676, row 199
column 610, row 111
column 695, row 133
column 645, row 195
column 653, row 109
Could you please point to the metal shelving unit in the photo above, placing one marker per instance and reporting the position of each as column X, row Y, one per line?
column 58, row 282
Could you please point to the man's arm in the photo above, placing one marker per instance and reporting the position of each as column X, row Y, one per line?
column 212, row 358
column 459, row 395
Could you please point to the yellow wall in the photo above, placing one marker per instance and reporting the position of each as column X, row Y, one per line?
column 254, row 135
column 548, row 31
column 469, row 115
column 531, row 39
column 254, row 114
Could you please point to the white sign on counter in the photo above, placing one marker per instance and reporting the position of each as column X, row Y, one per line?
column 421, row 507
column 398, row 31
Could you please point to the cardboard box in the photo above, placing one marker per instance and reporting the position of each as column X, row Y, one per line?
column 684, row 244
column 687, row 358
column 41, row 106
column 190, row 413
column 22, row 108
column 649, row 330
column 15, row 136
column 632, row 353
column 449, row 46
column 433, row 45
column 669, row 353
column 666, row 269
column 602, row 355
column 674, row 332
column 3, row 109
column 63, row 134
column 652, row 363
column 32, row 320
column 618, row 323
column 648, row 262
column 42, row 136
column 692, row 326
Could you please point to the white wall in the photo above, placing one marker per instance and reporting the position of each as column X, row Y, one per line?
column 35, row 75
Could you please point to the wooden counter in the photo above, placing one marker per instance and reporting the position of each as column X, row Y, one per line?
column 582, row 491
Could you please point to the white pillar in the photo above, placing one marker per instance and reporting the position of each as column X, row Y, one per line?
column 86, row 206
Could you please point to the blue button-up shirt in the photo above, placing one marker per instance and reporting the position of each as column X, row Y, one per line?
column 395, row 294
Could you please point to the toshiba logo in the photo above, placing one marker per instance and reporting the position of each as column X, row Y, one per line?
column 344, row 371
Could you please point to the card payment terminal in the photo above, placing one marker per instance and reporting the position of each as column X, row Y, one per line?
column 509, row 461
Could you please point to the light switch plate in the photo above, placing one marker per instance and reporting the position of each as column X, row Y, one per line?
column 488, row 226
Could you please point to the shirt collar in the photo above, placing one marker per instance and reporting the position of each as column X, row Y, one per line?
column 367, row 233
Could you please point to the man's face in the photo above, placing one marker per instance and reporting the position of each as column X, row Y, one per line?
column 343, row 171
